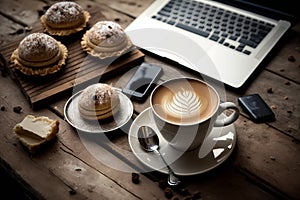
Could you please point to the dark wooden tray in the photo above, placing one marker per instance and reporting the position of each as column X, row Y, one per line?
column 80, row 68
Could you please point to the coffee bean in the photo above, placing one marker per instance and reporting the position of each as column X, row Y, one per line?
column 168, row 193
column 17, row 109
column 2, row 108
column 72, row 192
column 291, row 58
column 162, row 184
column 270, row 90
column 135, row 178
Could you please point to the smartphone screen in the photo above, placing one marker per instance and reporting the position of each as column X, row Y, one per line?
column 138, row 87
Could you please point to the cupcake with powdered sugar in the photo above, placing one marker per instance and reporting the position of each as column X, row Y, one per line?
column 64, row 18
column 39, row 54
column 106, row 39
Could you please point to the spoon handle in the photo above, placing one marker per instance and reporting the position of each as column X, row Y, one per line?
column 172, row 179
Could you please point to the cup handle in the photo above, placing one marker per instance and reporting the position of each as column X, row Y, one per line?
column 228, row 119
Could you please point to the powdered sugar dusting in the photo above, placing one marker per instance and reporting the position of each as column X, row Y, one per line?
column 97, row 94
column 37, row 45
column 108, row 31
column 63, row 12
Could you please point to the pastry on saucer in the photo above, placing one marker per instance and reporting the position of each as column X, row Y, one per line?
column 64, row 18
column 39, row 54
column 98, row 102
column 106, row 39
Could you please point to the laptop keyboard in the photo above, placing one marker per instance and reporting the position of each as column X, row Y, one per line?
column 228, row 28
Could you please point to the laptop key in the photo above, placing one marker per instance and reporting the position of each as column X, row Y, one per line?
column 214, row 37
column 171, row 22
column 240, row 48
column 247, row 52
column 164, row 13
column 248, row 42
column 221, row 40
column 192, row 29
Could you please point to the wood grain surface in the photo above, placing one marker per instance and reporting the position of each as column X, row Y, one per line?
column 265, row 163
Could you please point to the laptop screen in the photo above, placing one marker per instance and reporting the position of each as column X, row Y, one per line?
column 277, row 9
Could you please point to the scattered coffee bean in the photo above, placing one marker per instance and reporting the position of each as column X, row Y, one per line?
column 291, row 58
column 270, row 90
column 78, row 169
column 273, row 107
column 117, row 19
column 289, row 111
column 135, row 178
column 272, row 158
column 2, row 108
column 17, row 109
column 168, row 193
column 162, row 184
column 72, row 192
column 287, row 83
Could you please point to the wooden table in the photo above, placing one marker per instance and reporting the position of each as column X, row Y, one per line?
column 265, row 163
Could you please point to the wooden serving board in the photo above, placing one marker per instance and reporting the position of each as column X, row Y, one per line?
column 80, row 68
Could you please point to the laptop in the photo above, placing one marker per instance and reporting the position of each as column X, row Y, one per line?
column 222, row 39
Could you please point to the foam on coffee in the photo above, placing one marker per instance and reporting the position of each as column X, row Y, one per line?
column 184, row 101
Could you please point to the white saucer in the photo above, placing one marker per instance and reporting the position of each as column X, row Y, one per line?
column 190, row 163
column 74, row 118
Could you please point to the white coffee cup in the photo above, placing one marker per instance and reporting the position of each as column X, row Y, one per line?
column 186, row 109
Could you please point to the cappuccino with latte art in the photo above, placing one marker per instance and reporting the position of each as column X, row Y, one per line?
column 185, row 110
column 185, row 101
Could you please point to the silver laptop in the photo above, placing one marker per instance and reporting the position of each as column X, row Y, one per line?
column 222, row 41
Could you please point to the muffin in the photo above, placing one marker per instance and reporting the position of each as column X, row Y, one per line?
column 98, row 102
column 106, row 39
column 64, row 18
column 39, row 54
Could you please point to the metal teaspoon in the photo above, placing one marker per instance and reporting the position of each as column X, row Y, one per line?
column 149, row 141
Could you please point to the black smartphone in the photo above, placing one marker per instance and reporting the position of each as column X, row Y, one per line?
column 140, row 84
column 257, row 108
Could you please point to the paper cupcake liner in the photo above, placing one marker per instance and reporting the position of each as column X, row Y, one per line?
column 65, row 32
column 103, row 54
column 42, row 71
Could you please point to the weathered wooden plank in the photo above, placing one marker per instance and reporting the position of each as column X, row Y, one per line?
column 52, row 162
column 270, row 155
column 8, row 30
column 26, row 13
column 129, row 7
column 276, row 167
column 286, row 62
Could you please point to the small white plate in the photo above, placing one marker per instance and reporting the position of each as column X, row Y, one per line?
column 74, row 118
column 184, row 164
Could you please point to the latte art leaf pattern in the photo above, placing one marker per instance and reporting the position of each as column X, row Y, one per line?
column 184, row 103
